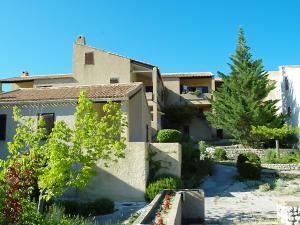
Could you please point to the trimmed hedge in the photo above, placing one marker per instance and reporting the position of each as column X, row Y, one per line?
column 249, row 166
column 155, row 187
column 219, row 154
column 169, row 136
column 100, row 206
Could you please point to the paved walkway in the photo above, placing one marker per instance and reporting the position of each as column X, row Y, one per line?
column 228, row 200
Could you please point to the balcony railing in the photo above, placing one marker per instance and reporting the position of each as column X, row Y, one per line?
column 192, row 97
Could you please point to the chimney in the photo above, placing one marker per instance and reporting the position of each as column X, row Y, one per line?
column 80, row 40
column 24, row 74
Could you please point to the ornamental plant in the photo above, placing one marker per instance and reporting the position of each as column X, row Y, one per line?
column 169, row 136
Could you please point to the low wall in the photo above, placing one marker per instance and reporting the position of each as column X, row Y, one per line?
column 288, row 211
column 187, row 208
column 282, row 167
column 169, row 154
column 124, row 180
column 233, row 151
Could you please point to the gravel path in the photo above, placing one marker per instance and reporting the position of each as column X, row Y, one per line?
column 228, row 200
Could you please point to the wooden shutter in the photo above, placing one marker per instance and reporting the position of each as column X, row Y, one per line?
column 89, row 58
column 2, row 127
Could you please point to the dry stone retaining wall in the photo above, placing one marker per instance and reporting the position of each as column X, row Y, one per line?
column 283, row 167
column 233, row 151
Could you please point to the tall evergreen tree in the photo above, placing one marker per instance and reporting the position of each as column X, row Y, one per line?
column 241, row 101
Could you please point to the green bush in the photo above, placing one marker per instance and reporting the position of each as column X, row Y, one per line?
column 98, row 207
column 270, row 156
column 265, row 187
column 169, row 136
column 248, row 165
column 202, row 150
column 219, row 154
column 155, row 187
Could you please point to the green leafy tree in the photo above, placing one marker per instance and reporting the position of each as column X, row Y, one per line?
column 241, row 101
column 178, row 115
column 277, row 134
column 68, row 155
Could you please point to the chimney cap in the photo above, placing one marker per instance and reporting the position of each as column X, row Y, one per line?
column 24, row 73
column 80, row 40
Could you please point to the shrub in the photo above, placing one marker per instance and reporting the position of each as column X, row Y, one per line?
column 169, row 136
column 270, row 156
column 248, row 165
column 264, row 187
column 219, row 154
column 98, row 207
column 202, row 150
column 155, row 187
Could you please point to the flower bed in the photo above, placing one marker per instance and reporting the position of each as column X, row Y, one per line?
column 164, row 209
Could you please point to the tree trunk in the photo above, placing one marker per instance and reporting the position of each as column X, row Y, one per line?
column 277, row 148
column 41, row 203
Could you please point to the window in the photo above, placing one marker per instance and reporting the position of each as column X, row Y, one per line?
column 2, row 127
column 114, row 80
column 89, row 58
column 49, row 121
column 186, row 130
column 286, row 83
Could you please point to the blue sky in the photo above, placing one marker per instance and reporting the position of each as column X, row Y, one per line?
column 178, row 36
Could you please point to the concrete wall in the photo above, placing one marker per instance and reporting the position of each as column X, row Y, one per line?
column 106, row 65
column 175, row 214
column 124, row 180
column 170, row 155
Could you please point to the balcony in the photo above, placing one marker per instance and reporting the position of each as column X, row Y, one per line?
column 193, row 98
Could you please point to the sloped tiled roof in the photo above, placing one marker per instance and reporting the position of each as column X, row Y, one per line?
column 218, row 79
column 37, row 77
column 183, row 75
column 71, row 92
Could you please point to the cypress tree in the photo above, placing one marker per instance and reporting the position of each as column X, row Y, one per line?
column 241, row 101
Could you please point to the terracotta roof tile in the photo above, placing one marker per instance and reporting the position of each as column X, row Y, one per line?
column 183, row 75
column 70, row 93
column 37, row 77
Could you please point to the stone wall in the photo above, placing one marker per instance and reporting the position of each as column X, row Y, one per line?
column 282, row 167
column 169, row 154
column 233, row 151
column 288, row 212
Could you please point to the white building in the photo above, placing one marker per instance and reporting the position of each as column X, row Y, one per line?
column 287, row 91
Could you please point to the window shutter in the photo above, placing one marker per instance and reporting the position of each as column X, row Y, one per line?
column 2, row 127
column 89, row 58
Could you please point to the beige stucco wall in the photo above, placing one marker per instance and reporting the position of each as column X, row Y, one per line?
column 138, row 118
column 55, row 82
column 19, row 85
column 170, row 155
column 62, row 112
column 124, row 180
column 197, row 82
column 105, row 66
column 172, row 91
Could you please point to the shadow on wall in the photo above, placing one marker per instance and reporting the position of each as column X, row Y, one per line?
column 290, row 106
column 168, row 155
